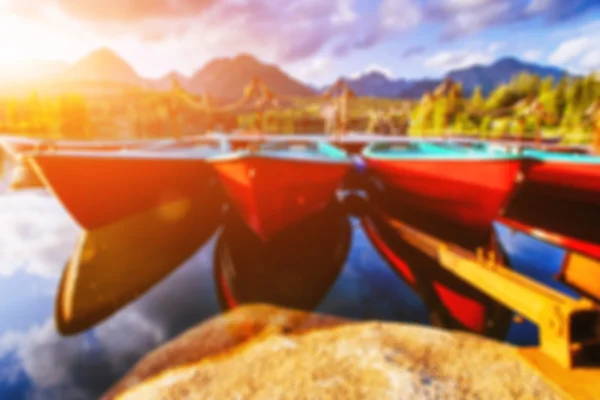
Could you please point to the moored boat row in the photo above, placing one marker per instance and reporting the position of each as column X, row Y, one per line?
column 145, row 211
column 458, row 192
column 278, row 191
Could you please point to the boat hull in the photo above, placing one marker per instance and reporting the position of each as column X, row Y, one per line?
column 559, row 202
column 142, row 218
column 272, row 193
column 456, row 200
column 451, row 302
column 25, row 178
column 16, row 146
column 99, row 189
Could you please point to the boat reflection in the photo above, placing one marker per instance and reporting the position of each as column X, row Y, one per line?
column 295, row 268
column 36, row 239
column 451, row 302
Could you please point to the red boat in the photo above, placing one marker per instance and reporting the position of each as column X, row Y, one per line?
column 143, row 214
column 281, row 183
column 20, row 145
column 450, row 191
column 24, row 178
column 559, row 202
column 454, row 193
column 97, row 189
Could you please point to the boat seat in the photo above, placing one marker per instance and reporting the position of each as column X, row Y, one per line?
column 290, row 146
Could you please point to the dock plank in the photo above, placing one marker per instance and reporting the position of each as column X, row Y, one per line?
column 577, row 384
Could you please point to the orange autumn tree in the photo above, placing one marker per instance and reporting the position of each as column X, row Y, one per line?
column 73, row 117
column 593, row 112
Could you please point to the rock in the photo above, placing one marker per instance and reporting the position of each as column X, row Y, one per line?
column 220, row 334
column 288, row 360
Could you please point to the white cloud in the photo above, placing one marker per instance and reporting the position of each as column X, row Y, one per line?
column 580, row 54
column 155, row 42
column 591, row 60
column 56, row 364
column 570, row 50
column 344, row 13
column 79, row 366
column 400, row 14
column 464, row 4
column 476, row 53
column 46, row 357
column 532, row 55
column 147, row 336
column 536, row 6
column 315, row 69
column 10, row 341
column 36, row 236
column 470, row 16
column 495, row 46
column 375, row 68
column 446, row 60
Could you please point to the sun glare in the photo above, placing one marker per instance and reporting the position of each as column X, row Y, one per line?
column 21, row 41
column 25, row 43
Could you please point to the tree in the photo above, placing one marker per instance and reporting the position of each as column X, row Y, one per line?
column 485, row 127
column 454, row 103
column 74, row 117
column 575, row 94
column 441, row 115
column 561, row 97
column 13, row 117
column 477, row 102
column 589, row 90
column 464, row 124
column 423, row 115
column 571, row 120
column 34, row 114
column 547, row 85
column 549, row 102
column 503, row 96
column 525, row 85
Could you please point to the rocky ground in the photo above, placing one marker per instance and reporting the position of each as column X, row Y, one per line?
column 263, row 352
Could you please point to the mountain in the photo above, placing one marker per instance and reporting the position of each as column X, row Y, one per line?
column 223, row 78
column 376, row 84
column 501, row 71
column 417, row 88
column 227, row 77
column 103, row 65
column 165, row 82
column 487, row 76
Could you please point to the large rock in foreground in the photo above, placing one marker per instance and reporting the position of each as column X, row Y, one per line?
column 220, row 334
column 347, row 361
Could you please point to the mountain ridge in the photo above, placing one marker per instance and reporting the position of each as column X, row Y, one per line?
column 226, row 77
column 487, row 76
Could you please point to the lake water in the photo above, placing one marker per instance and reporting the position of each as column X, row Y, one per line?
column 36, row 238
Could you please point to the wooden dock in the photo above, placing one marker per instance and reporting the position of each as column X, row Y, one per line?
column 569, row 353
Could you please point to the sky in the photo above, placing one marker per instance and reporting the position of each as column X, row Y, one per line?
column 314, row 40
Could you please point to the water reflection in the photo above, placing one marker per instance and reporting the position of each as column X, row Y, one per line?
column 36, row 239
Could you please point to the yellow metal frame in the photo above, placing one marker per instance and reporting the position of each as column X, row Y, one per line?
column 583, row 273
column 558, row 317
